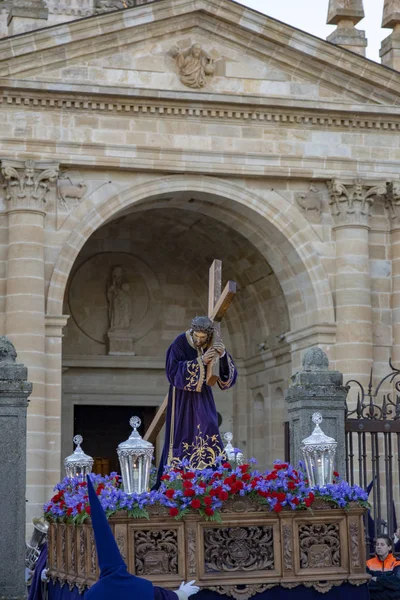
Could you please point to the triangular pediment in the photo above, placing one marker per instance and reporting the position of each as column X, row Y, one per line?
column 242, row 53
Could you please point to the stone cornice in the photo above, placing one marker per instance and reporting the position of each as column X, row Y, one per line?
column 211, row 106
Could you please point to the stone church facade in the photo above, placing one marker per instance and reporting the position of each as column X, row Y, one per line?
column 148, row 138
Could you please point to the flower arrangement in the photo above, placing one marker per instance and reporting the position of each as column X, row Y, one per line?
column 184, row 490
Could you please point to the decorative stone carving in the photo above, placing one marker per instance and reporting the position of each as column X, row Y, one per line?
column 315, row 359
column 229, row 549
column 156, row 552
column 392, row 199
column 119, row 300
column 8, row 353
column 69, row 193
column 194, row 65
column 319, row 545
column 106, row 5
column 310, row 201
column 354, row 544
column 350, row 204
column 191, row 549
column 27, row 183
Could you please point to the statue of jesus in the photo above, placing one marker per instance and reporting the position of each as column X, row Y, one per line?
column 191, row 430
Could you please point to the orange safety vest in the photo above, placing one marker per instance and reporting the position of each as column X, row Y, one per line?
column 376, row 564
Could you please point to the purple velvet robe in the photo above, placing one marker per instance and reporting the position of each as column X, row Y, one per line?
column 191, row 430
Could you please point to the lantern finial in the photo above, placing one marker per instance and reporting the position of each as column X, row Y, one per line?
column 78, row 464
column 135, row 456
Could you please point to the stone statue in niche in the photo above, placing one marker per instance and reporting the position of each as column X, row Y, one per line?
column 119, row 300
column 194, row 65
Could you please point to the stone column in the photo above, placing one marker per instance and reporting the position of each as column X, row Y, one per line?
column 14, row 393
column 346, row 15
column 392, row 201
column 26, row 15
column 317, row 389
column 53, row 458
column 27, row 184
column 390, row 47
column 350, row 206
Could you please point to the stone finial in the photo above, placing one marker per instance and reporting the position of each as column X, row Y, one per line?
column 8, row 353
column 346, row 14
column 391, row 13
column 351, row 203
column 315, row 359
column 390, row 47
column 27, row 183
column 26, row 15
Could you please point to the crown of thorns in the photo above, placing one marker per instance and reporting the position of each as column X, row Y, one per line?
column 202, row 324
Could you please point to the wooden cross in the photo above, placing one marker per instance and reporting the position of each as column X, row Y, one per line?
column 218, row 304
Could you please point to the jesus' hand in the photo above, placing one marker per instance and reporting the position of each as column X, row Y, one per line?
column 209, row 355
column 220, row 348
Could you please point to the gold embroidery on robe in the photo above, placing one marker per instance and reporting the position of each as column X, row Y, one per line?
column 203, row 452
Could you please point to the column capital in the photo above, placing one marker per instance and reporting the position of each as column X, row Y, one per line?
column 54, row 325
column 351, row 202
column 27, row 183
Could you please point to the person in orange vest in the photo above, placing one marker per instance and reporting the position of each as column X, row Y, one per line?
column 384, row 569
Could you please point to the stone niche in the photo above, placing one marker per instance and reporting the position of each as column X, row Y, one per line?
column 112, row 299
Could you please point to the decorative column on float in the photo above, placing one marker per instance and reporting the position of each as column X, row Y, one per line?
column 27, row 184
column 350, row 206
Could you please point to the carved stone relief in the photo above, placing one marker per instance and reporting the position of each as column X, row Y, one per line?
column 229, row 549
column 27, row 183
column 319, row 545
column 195, row 66
column 351, row 203
column 156, row 552
column 310, row 202
column 392, row 199
column 69, row 193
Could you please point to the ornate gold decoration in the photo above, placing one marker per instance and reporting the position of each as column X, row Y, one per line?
column 243, row 592
column 230, row 549
column 203, row 452
column 195, row 375
column 319, row 545
column 156, row 552
column 323, row 586
column 287, row 538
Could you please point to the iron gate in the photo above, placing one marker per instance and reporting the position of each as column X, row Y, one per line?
column 373, row 450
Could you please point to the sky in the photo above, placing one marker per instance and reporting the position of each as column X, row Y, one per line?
column 310, row 15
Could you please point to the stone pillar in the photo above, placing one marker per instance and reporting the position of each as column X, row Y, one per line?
column 26, row 15
column 14, row 393
column 346, row 15
column 392, row 199
column 27, row 184
column 390, row 47
column 350, row 205
column 317, row 389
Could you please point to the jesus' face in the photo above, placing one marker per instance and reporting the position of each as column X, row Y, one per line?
column 200, row 338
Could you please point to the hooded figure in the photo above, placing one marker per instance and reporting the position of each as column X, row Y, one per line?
column 115, row 581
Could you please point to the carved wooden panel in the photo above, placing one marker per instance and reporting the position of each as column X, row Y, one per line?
column 156, row 552
column 287, row 546
column 245, row 549
column 319, row 545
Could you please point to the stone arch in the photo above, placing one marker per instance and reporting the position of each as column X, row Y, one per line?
column 273, row 225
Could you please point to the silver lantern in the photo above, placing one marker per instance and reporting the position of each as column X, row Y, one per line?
column 35, row 544
column 78, row 464
column 135, row 456
column 234, row 457
column 319, row 452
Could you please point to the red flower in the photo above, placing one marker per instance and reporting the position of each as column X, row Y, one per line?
column 207, row 500
column 272, row 476
column 69, row 512
column 295, row 501
column 173, row 512
column 311, row 496
column 281, row 496
column 100, row 488
column 195, row 503
column 209, row 512
column 291, row 485
column 187, row 485
column 189, row 493
column 223, row 495
column 336, row 474
column 244, row 468
column 170, row 493
column 188, row 475
column 226, row 465
column 246, row 477
column 202, row 484
column 79, row 507
column 62, row 504
column 278, row 507
column 88, row 510
column 165, row 478
column 228, row 481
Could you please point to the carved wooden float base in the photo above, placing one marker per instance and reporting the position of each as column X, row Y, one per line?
column 250, row 552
